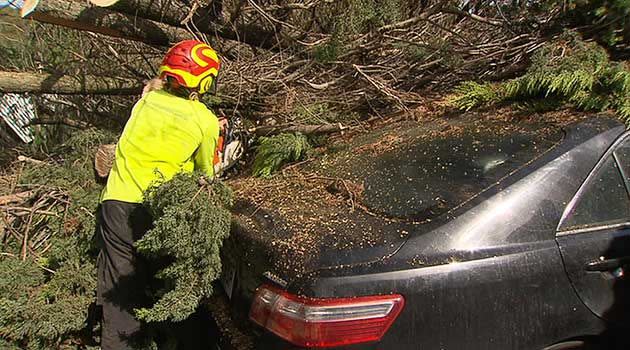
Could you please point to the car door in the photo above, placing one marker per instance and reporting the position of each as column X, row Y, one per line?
column 594, row 236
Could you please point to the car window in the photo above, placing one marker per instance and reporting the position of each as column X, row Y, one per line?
column 420, row 174
column 603, row 200
column 622, row 155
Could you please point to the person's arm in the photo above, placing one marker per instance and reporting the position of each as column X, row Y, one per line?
column 205, row 152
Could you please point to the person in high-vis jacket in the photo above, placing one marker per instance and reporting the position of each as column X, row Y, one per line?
column 169, row 132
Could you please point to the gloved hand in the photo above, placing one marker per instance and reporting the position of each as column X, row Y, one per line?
column 223, row 125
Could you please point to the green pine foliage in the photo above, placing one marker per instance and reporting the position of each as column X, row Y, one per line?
column 317, row 113
column 44, row 299
column 274, row 151
column 328, row 52
column 191, row 220
column 40, row 310
column 360, row 17
column 570, row 70
column 366, row 15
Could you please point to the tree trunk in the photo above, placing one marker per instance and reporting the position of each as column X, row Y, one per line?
column 76, row 14
column 49, row 120
column 21, row 82
column 304, row 129
column 163, row 11
column 175, row 13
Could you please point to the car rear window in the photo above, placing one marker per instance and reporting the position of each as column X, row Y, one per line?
column 603, row 200
column 427, row 175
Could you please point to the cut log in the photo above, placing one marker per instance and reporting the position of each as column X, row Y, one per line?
column 205, row 20
column 304, row 129
column 79, row 15
column 104, row 3
column 28, row 6
column 21, row 82
column 104, row 159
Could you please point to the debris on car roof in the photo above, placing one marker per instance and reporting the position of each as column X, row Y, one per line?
column 370, row 189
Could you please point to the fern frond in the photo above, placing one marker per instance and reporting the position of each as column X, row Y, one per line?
column 570, row 70
column 272, row 152
column 623, row 109
column 589, row 101
column 471, row 94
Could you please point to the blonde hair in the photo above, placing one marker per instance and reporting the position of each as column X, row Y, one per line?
column 153, row 85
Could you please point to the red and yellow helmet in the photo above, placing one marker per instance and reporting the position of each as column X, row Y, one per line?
column 192, row 63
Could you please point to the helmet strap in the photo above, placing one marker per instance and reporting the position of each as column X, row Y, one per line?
column 175, row 88
column 214, row 86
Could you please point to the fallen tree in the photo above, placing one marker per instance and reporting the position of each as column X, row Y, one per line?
column 302, row 129
column 78, row 15
column 206, row 20
column 377, row 56
column 31, row 82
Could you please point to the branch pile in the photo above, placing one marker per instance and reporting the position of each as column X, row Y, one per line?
column 48, row 248
column 47, row 265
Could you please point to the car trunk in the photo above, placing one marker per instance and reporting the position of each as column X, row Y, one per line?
column 357, row 202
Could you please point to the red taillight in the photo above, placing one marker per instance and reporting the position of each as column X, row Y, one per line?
column 314, row 322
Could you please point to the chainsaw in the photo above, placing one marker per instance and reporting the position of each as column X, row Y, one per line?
column 231, row 147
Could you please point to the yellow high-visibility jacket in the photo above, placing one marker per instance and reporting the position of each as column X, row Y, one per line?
column 165, row 135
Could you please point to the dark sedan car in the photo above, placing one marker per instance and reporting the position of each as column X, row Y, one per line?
column 462, row 233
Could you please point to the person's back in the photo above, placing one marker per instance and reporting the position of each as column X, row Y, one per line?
column 165, row 135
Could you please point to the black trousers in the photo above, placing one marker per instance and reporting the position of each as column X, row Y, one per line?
column 122, row 274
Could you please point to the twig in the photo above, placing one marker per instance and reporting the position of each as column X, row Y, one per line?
column 47, row 269
column 304, row 129
column 87, row 211
column 30, row 160
column 380, row 87
column 28, row 211
column 16, row 197
column 490, row 21
column 25, row 241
